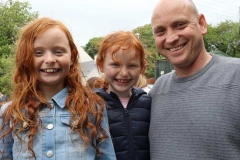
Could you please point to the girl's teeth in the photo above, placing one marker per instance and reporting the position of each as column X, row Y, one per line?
column 50, row 70
column 122, row 81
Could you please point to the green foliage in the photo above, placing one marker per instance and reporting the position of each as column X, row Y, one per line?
column 223, row 37
column 6, row 71
column 92, row 46
column 13, row 16
column 146, row 37
column 5, row 49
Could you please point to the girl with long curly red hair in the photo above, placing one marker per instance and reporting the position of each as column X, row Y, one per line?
column 52, row 114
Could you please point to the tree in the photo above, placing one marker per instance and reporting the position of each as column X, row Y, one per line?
column 6, row 71
column 92, row 46
column 146, row 37
column 13, row 16
column 223, row 37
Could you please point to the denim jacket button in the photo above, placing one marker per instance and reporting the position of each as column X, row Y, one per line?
column 51, row 105
column 49, row 154
column 25, row 125
column 50, row 126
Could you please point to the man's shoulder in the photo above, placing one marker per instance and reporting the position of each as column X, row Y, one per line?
column 162, row 82
column 229, row 61
column 165, row 78
column 227, row 65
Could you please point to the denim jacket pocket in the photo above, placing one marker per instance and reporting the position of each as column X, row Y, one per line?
column 74, row 142
column 20, row 145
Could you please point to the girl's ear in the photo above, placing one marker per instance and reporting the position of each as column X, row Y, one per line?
column 143, row 68
column 101, row 68
column 74, row 55
column 99, row 64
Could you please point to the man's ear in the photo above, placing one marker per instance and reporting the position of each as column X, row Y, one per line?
column 203, row 24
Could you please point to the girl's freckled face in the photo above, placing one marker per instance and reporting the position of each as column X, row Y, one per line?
column 52, row 57
column 122, row 71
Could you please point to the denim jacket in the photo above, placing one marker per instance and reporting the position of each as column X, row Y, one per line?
column 54, row 140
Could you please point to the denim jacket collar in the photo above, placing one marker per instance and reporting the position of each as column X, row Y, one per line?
column 60, row 97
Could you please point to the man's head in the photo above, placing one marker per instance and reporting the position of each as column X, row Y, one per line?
column 178, row 31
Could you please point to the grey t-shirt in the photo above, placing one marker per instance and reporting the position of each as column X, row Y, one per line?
column 197, row 117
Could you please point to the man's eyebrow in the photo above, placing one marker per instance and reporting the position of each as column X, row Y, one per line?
column 179, row 20
column 157, row 27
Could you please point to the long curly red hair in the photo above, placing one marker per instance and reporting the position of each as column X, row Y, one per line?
column 26, row 95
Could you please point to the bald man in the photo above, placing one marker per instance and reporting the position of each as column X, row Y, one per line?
column 196, row 108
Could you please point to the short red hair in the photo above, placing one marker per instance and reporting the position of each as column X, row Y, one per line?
column 112, row 43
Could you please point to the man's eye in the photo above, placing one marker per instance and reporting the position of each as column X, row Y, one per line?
column 181, row 25
column 159, row 32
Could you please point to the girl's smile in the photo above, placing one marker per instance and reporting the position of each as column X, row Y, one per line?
column 121, row 71
column 52, row 58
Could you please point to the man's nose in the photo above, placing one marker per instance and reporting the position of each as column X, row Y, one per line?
column 172, row 36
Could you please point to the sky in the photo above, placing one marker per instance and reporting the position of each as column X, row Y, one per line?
column 87, row 19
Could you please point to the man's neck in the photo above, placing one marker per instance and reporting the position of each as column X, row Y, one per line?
column 199, row 63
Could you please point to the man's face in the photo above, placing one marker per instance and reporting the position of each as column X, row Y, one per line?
column 178, row 32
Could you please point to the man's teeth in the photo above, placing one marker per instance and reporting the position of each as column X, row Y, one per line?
column 176, row 48
column 50, row 70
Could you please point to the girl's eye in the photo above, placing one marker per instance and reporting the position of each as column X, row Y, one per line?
column 133, row 66
column 115, row 64
column 38, row 53
column 58, row 52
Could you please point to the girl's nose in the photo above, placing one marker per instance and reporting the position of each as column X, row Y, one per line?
column 49, row 58
column 123, row 71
